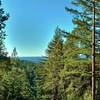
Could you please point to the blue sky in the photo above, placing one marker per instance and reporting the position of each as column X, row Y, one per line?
column 32, row 23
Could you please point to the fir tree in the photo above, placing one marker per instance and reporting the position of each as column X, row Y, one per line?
column 14, row 53
column 3, row 18
column 53, row 66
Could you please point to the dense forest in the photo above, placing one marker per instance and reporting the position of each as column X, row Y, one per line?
column 66, row 73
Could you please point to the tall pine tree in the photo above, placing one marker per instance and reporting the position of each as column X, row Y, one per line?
column 53, row 67
column 78, row 47
column 3, row 19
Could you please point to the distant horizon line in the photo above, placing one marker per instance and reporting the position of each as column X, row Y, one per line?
column 32, row 56
column 29, row 56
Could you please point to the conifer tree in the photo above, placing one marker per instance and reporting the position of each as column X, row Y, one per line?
column 3, row 18
column 77, row 68
column 53, row 66
column 14, row 53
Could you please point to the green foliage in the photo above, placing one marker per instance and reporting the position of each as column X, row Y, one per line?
column 14, row 84
column 52, row 67
column 66, row 74
column 3, row 18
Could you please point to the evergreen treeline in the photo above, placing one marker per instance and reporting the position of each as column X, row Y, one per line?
column 66, row 74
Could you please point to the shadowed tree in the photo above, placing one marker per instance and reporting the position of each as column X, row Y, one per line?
column 3, row 19
column 14, row 53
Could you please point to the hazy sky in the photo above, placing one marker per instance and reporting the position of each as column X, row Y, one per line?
column 32, row 23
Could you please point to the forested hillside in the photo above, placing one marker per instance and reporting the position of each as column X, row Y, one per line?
column 66, row 73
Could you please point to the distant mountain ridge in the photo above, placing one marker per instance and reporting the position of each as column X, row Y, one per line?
column 36, row 59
